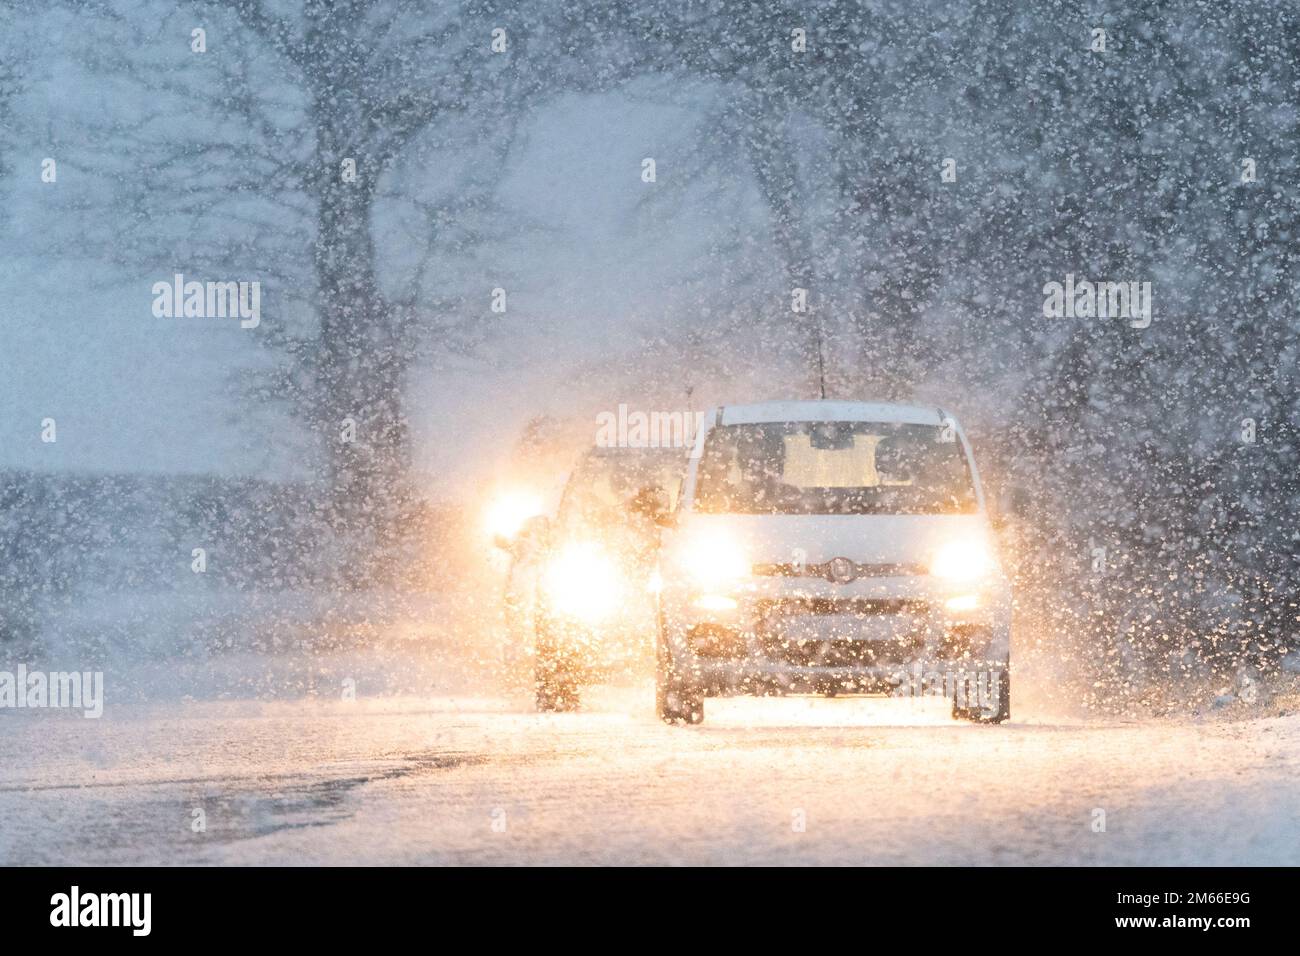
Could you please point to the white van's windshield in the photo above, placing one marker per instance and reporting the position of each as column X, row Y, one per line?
column 833, row 468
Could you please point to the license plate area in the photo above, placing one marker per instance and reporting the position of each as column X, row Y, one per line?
column 835, row 627
column 825, row 630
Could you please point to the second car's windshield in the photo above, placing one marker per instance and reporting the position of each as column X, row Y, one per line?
column 833, row 468
column 600, row 489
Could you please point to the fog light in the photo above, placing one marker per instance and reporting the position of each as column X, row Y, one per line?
column 715, row 602
column 962, row 602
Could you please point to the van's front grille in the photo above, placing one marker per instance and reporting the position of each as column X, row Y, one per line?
column 854, row 607
column 827, row 573
column 841, row 653
column 831, row 632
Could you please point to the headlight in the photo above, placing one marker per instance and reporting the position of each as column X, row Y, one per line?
column 507, row 513
column 962, row 560
column 715, row 561
column 583, row 582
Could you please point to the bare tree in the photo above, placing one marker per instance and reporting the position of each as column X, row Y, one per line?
column 301, row 111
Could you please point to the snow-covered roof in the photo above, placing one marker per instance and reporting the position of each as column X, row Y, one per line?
column 831, row 411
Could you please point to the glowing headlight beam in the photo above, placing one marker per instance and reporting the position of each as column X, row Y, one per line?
column 716, row 561
column 716, row 602
column 962, row 560
column 506, row 513
column 583, row 582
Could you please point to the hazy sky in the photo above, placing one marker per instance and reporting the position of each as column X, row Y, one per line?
column 132, row 392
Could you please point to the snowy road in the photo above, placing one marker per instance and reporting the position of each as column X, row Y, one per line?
column 482, row 780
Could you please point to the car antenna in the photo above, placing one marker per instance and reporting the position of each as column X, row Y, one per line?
column 821, row 361
column 690, row 414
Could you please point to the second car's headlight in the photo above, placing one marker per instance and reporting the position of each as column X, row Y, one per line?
column 507, row 513
column 583, row 582
column 966, row 559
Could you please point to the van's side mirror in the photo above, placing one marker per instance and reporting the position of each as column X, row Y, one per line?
column 652, row 502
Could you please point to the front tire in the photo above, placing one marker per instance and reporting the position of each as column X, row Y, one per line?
column 677, row 699
column 977, row 715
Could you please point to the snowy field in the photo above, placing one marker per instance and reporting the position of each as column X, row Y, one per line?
column 451, row 777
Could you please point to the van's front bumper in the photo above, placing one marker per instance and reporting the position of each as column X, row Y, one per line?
column 897, row 634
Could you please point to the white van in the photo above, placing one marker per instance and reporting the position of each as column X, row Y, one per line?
column 831, row 547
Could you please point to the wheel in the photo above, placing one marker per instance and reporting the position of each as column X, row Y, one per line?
column 677, row 700
column 555, row 678
column 978, row 716
column 555, row 691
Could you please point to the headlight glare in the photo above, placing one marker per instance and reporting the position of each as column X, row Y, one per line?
column 966, row 559
column 507, row 513
column 583, row 582
column 715, row 561
column 715, row 602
